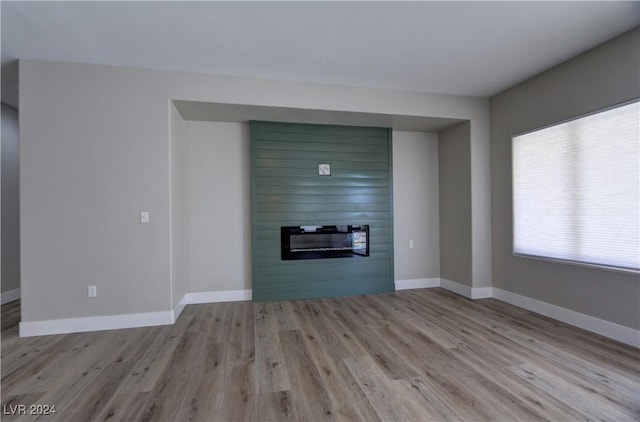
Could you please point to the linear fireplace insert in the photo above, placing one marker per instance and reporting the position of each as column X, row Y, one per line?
column 318, row 242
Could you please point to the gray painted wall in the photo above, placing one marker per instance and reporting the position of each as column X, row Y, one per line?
column 95, row 151
column 454, row 156
column 480, row 172
column 178, row 205
column 218, row 166
column 415, row 205
column 604, row 76
column 218, row 206
column 10, row 200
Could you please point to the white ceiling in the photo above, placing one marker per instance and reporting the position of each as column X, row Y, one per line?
column 463, row 48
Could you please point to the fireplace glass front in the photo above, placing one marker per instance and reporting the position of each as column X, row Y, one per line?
column 318, row 242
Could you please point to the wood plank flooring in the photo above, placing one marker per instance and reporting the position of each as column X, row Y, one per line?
column 416, row 355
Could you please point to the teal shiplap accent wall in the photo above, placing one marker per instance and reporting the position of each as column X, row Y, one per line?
column 286, row 190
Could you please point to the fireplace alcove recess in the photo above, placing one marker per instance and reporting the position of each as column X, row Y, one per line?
column 322, row 242
column 288, row 189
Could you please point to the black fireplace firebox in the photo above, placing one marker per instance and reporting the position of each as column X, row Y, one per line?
column 319, row 242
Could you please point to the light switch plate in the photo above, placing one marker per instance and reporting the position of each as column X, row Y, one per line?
column 144, row 217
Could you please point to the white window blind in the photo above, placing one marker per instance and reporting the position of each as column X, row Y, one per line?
column 576, row 190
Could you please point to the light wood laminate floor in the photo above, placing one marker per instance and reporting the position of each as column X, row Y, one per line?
column 414, row 355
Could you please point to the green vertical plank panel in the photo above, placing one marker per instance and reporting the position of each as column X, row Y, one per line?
column 286, row 190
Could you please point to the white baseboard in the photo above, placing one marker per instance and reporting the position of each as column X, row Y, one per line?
column 114, row 322
column 481, row 292
column 461, row 289
column 179, row 308
column 95, row 323
column 111, row 322
column 9, row 296
column 454, row 287
column 417, row 283
column 599, row 326
column 218, row 296
column 464, row 290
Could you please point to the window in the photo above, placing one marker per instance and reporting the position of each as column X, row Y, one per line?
column 575, row 190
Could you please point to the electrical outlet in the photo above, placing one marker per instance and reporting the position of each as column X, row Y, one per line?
column 92, row 291
column 411, row 244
